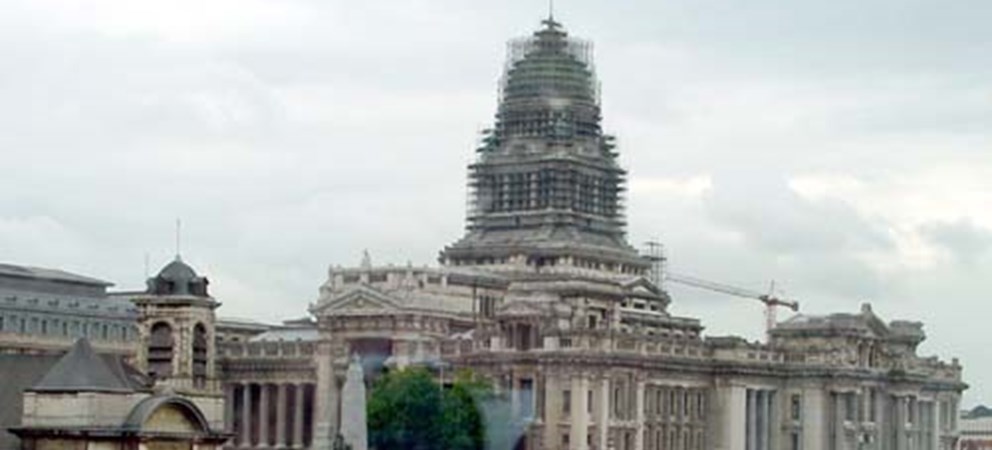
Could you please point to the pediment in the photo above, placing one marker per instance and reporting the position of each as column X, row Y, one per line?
column 361, row 299
column 876, row 325
column 642, row 287
column 521, row 308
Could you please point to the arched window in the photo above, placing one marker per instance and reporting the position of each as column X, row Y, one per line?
column 160, row 346
column 199, row 355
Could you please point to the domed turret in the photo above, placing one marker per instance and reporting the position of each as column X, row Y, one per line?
column 178, row 278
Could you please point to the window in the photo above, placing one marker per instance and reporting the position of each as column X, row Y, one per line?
column 794, row 443
column 160, row 350
column 796, row 407
column 566, row 401
column 872, row 405
column 849, row 407
column 199, row 354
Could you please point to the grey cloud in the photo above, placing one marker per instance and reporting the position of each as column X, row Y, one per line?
column 772, row 217
column 965, row 240
column 286, row 146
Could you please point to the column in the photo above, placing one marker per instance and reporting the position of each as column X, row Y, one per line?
column 813, row 419
column 263, row 415
column 552, row 410
column 839, row 417
column 280, row 415
column 514, row 398
column 246, row 415
column 765, row 414
column 325, row 420
column 229, row 407
column 639, row 416
column 752, row 419
column 580, row 413
column 729, row 411
column 298, row 418
column 603, row 413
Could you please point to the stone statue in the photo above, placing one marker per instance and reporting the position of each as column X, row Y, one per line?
column 353, row 426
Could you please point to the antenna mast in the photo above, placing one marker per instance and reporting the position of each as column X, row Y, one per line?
column 179, row 228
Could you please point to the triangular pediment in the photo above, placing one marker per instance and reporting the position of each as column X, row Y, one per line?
column 521, row 308
column 876, row 325
column 643, row 287
column 359, row 300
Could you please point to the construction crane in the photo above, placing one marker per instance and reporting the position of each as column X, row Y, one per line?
column 659, row 274
column 770, row 300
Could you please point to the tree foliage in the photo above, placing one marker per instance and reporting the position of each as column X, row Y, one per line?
column 408, row 410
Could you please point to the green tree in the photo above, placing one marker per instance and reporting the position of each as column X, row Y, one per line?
column 407, row 410
column 463, row 426
column 404, row 412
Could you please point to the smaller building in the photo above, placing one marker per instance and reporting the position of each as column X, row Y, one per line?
column 46, row 310
column 975, row 428
column 84, row 402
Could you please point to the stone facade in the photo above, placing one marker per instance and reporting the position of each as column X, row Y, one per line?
column 545, row 298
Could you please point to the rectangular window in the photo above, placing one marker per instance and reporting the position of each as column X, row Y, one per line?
column 566, row 401
column 527, row 397
column 849, row 407
column 794, row 442
column 796, row 407
column 872, row 405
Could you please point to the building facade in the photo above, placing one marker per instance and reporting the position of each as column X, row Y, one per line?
column 544, row 296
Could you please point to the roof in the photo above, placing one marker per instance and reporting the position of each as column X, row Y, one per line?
column 178, row 279
column 177, row 270
column 41, row 273
column 82, row 370
column 18, row 373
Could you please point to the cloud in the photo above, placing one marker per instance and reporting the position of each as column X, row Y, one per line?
column 966, row 242
column 839, row 148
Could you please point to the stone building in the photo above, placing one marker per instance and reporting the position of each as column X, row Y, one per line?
column 544, row 296
column 86, row 401
column 47, row 309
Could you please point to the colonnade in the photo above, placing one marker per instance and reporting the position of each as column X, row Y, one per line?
column 269, row 415
column 760, row 422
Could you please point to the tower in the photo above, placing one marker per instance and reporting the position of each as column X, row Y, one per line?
column 176, row 324
column 546, row 188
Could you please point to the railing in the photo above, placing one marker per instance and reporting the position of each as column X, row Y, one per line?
column 729, row 351
column 274, row 349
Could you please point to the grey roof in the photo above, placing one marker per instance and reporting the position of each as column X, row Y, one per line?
column 177, row 270
column 13, row 270
column 178, row 278
column 18, row 372
column 82, row 370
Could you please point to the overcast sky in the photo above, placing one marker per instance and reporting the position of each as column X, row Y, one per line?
column 839, row 148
